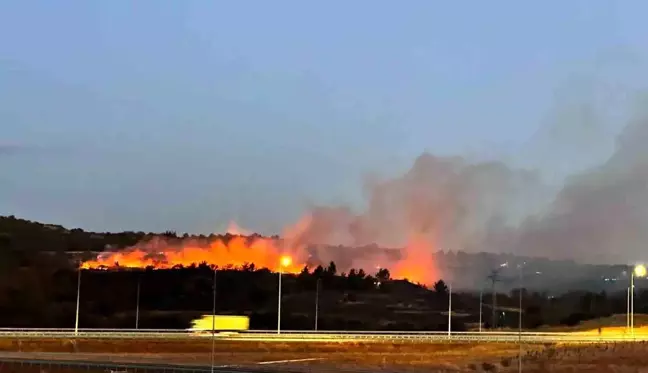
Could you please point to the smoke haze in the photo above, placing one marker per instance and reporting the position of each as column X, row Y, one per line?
column 599, row 215
column 442, row 203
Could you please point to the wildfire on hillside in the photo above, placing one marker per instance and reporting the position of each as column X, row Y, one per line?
column 417, row 265
column 238, row 249
column 236, row 252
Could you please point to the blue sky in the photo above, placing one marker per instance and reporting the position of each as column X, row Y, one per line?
column 148, row 115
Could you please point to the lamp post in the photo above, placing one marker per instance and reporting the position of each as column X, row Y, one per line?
column 317, row 290
column 631, row 290
column 481, row 296
column 449, row 310
column 285, row 261
column 628, row 310
column 638, row 271
column 137, row 307
column 213, row 341
column 78, row 299
column 520, row 322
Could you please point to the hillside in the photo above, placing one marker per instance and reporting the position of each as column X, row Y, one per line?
column 38, row 284
column 469, row 271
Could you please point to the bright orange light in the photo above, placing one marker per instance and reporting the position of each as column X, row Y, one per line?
column 286, row 261
column 235, row 252
column 417, row 264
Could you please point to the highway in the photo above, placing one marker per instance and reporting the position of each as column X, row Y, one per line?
column 324, row 336
column 108, row 366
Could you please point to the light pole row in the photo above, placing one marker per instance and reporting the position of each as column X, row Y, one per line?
column 78, row 303
column 638, row 271
column 284, row 262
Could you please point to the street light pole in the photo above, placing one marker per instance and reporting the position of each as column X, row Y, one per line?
column 279, row 304
column 632, row 303
column 284, row 261
column 213, row 320
column 481, row 296
column 639, row 270
column 76, row 320
column 628, row 310
column 449, row 310
column 139, row 279
column 520, row 325
column 317, row 289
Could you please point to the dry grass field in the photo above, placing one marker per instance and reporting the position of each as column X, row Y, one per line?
column 320, row 356
column 336, row 357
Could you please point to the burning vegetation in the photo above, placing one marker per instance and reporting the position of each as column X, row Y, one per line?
column 447, row 203
column 236, row 251
column 227, row 252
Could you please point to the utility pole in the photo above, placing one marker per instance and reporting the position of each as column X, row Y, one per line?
column 494, row 278
column 494, row 305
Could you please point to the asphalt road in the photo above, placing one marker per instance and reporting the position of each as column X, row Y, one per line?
column 15, row 360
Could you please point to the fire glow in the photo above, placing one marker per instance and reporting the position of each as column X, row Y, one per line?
column 237, row 251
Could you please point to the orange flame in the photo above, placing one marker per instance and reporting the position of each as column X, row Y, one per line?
column 417, row 265
column 235, row 253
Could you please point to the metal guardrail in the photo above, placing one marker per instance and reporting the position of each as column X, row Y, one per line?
column 248, row 334
column 273, row 332
column 287, row 330
column 321, row 336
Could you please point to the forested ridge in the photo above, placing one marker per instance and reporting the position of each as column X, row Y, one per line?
column 38, row 288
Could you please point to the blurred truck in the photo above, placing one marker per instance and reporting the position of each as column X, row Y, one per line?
column 220, row 323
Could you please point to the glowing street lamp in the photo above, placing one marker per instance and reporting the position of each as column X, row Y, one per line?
column 638, row 271
column 284, row 261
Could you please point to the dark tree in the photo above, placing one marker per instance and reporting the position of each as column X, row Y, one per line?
column 440, row 288
column 318, row 272
column 383, row 275
column 332, row 269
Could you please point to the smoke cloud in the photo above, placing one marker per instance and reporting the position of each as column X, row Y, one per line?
column 600, row 215
column 441, row 203
column 447, row 203
column 444, row 200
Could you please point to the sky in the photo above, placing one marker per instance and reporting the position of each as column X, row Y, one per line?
column 184, row 115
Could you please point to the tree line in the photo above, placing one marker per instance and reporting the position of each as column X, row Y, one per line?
column 38, row 288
